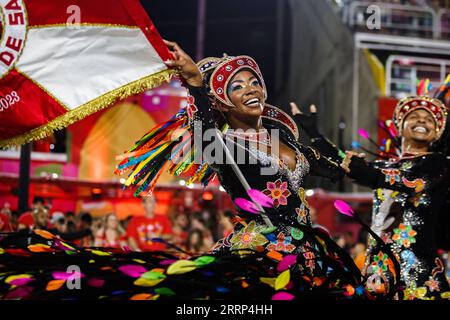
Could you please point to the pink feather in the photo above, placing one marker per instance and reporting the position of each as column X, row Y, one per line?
column 132, row 270
column 246, row 205
column 363, row 133
column 63, row 275
column 259, row 197
column 283, row 296
column 344, row 208
column 21, row 281
column 287, row 261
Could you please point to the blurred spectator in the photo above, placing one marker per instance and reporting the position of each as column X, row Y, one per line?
column 195, row 242
column 125, row 222
column 358, row 253
column 5, row 219
column 340, row 241
column 26, row 220
column 41, row 218
column 71, row 221
column 59, row 222
column 197, row 223
column 226, row 223
column 110, row 234
column 345, row 241
column 349, row 242
column 142, row 229
column 42, row 222
column 180, row 229
column 85, row 222
column 13, row 220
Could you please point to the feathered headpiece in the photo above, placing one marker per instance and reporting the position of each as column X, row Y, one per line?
column 435, row 106
column 224, row 69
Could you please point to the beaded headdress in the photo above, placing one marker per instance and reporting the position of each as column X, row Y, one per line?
column 434, row 106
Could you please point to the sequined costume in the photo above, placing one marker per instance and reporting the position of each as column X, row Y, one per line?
column 263, row 171
column 280, row 183
column 408, row 200
column 290, row 260
column 409, row 207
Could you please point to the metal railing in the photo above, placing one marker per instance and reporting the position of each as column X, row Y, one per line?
column 443, row 27
column 402, row 73
column 395, row 19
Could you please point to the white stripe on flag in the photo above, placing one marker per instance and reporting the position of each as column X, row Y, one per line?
column 79, row 65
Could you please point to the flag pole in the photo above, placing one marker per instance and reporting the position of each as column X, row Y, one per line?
column 201, row 25
column 24, row 177
column 229, row 160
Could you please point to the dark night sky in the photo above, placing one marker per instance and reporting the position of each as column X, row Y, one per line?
column 232, row 26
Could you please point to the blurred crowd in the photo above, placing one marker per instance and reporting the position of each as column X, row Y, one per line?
column 194, row 232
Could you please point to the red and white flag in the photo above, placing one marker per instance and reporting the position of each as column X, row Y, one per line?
column 62, row 60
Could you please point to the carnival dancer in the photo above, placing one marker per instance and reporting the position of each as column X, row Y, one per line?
column 410, row 195
column 229, row 94
column 272, row 253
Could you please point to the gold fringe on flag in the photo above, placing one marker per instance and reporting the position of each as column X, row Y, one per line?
column 91, row 107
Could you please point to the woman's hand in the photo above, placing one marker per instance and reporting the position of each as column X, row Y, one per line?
column 304, row 121
column 347, row 162
column 184, row 63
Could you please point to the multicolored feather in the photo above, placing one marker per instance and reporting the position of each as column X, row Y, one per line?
column 169, row 145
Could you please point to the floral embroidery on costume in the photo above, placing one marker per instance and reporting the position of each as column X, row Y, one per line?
column 249, row 237
column 297, row 234
column 392, row 175
column 419, row 199
column 302, row 196
column 282, row 243
column 406, row 166
column 386, row 237
column 404, row 235
column 278, row 191
column 417, row 184
column 377, row 283
column 432, row 284
column 191, row 108
column 380, row 263
column 302, row 215
column 309, row 256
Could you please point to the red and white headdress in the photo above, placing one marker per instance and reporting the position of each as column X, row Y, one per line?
column 434, row 106
column 225, row 71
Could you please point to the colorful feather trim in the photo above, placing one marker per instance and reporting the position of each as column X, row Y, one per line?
column 169, row 145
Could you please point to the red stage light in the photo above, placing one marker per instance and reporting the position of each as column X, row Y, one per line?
column 96, row 191
column 207, row 196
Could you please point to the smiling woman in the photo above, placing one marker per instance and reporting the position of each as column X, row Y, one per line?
column 229, row 94
column 410, row 202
